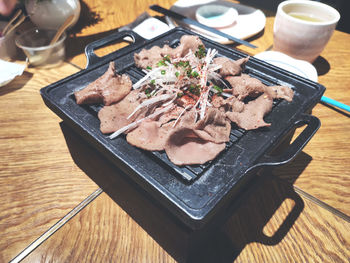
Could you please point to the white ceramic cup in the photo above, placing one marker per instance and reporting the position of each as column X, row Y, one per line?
column 303, row 28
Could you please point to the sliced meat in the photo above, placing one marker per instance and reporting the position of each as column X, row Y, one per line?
column 184, row 147
column 251, row 117
column 229, row 104
column 171, row 115
column 170, row 120
column 151, row 57
column 187, row 43
column 244, row 86
column 280, row 92
column 234, row 104
column 149, row 135
column 114, row 117
column 107, row 89
column 188, row 119
column 217, row 101
column 214, row 127
column 230, row 67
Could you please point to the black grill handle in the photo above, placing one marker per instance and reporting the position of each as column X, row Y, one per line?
column 93, row 59
column 313, row 124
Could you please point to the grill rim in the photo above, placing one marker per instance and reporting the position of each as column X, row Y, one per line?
column 192, row 217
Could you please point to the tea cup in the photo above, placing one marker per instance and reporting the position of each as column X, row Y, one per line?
column 303, row 28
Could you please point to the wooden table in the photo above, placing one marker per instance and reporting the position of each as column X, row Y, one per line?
column 61, row 201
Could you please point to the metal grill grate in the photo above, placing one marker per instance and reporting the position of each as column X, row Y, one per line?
column 188, row 173
column 192, row 172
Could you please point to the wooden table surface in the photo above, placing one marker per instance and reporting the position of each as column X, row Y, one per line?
column 61, row 201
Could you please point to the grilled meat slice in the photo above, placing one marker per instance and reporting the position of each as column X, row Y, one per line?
column 114, row 117
column 215, row 127
column 252, row 115
column 149, row 135
column 107, row 89
column 245, row 85
column 184, row 147
column 151, row 57
column 230, row 67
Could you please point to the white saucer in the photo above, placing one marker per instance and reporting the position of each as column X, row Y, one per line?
column 299, row 67
column 250, row 21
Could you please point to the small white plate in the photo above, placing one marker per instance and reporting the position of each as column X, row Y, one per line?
column 216, row 16
column 250, row 21
column 299, row 67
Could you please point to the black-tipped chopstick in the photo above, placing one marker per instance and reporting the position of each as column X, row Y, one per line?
column 189, row 21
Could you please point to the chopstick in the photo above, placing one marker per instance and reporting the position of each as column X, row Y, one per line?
column 189, row 21
column 335, row 103
column 4, row 32
column 20, row 20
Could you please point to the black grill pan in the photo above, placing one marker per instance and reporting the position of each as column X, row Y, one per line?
column 193, row 194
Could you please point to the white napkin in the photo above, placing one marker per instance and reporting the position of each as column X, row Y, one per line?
column 9, row 70
column 151, row 28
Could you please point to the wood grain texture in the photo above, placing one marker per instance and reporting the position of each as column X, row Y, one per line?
column 110, row 15
column 103, row 232
column 323, row 170
column 44, row 173
column 38, row 179
column 100, row 233
column 316, row 235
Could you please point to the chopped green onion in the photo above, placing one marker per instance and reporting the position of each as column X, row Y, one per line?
column 180, row 64
column 183, row 64
column 194, row 74
column 148, row 92
column 162, row 72
column 153, row 81
column 195, row 89
column 180, row 94
column 161, row 63
column 177, row 74
column 200, row 53
column 166, row 58
column 218, row 89
column 148, row 67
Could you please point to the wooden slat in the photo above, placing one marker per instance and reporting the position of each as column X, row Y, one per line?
column 38, row 179
column 299, row 231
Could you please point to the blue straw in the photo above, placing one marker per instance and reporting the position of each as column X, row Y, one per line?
column 335, row 103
